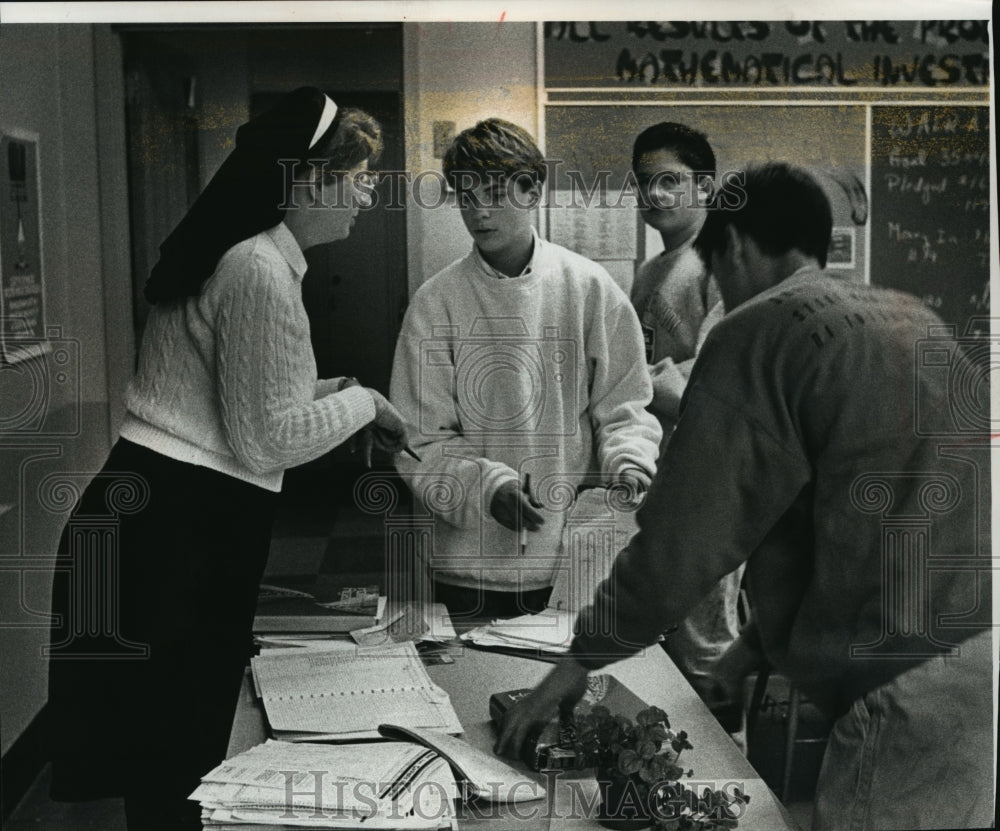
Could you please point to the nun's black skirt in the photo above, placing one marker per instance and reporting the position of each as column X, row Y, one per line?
column 154, row 593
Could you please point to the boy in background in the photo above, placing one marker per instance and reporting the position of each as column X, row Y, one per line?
column 522, row 361
column 678, row 302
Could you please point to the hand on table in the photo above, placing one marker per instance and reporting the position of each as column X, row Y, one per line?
column 510, row 506
column 560, row 690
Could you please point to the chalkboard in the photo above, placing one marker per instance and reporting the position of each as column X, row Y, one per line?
column 930, row 208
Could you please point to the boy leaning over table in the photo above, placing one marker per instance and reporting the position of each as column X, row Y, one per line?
column 522, row 364
column 813, row 446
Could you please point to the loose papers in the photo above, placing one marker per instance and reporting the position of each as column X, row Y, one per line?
column 383, row 785
column 333, row 694
column 550, row 630
column 596, row 530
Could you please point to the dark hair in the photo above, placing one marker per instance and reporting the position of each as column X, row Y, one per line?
column 783, row 208
column 494, row 148
column 690, row 145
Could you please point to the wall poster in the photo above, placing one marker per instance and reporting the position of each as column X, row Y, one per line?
column 22, row 288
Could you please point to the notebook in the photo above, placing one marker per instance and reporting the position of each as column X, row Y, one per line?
column 338, row 695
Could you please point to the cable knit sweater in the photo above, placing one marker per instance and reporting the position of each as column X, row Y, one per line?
column 540, row 374
column 227, row 379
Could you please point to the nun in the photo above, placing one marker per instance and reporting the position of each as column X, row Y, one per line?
column 161, row 558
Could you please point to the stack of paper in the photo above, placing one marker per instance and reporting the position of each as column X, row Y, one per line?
column 333, row 694
column 550, row 630
column 422, row 623
column 597, row 528
column 409, row 622
column 277, row 785
column 326, row 605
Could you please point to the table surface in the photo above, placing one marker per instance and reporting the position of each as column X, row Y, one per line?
column 476, row 674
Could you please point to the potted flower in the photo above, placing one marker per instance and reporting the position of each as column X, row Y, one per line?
column 639, row 774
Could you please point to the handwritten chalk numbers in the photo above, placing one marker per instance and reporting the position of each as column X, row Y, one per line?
column 951, row 156
column 930, row 198
column 980, row 182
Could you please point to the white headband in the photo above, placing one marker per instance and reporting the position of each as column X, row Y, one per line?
column 325, row 120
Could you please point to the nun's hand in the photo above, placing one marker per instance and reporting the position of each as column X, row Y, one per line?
column 388, row 432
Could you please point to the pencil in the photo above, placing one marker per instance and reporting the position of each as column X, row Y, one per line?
column 526, row 489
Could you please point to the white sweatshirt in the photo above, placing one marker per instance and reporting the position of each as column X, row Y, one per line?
column 541, row 374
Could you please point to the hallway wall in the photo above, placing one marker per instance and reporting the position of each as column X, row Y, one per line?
column 56, row 84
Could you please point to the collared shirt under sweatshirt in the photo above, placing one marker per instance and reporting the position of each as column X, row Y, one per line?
column 540, row 374
column 227, row 378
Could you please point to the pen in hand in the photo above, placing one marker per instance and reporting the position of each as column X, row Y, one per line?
column 387, row 439
column 526, row 490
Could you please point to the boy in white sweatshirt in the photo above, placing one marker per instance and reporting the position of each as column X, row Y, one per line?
column 522, row 361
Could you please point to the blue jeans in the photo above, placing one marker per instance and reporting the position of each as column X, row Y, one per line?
column 917, row 752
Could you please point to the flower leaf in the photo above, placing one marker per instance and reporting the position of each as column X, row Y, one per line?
column 658, row 715
column 647, row 774
column 680, row 742
column 629, row 762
